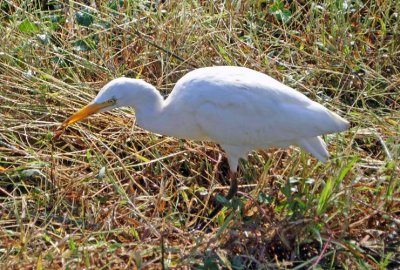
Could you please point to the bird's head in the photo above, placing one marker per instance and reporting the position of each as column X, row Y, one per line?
column 117, row 93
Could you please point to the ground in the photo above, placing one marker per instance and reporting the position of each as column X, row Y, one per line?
column 108, row 194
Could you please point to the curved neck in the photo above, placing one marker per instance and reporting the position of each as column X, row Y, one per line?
column 150, row 112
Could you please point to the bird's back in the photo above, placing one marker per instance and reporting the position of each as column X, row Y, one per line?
column 232, row 80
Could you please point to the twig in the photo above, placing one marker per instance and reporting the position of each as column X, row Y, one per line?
column 140, row 35
column 322, row 252
column 382, row 142
column 162, row 252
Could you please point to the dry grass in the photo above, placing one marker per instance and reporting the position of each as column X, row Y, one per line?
column 110, row 195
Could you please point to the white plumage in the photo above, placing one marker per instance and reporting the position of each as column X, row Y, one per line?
column 236, row 107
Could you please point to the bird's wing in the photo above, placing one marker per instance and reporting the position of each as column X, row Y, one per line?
column 263, row 117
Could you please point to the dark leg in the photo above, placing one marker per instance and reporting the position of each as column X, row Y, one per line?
column 233, row 188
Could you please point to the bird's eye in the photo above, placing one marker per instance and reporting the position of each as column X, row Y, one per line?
column 112, row 101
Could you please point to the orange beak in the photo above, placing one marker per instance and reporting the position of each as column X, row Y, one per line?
column 81, row 114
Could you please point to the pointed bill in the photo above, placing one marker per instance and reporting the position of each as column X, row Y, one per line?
column 81, row 114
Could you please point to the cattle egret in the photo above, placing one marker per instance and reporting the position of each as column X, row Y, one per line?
column 238, row 108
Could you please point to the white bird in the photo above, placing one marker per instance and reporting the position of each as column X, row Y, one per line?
column 238, row 108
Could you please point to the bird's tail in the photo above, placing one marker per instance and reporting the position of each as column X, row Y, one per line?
column 341, row 124
column 315, row 146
